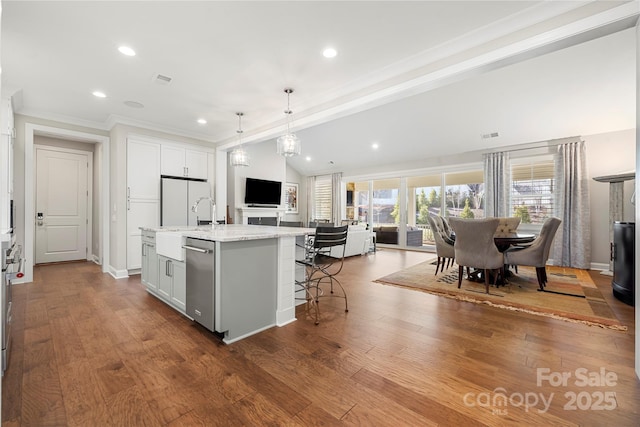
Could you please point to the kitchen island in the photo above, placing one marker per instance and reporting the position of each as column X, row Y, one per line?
column 252, row 274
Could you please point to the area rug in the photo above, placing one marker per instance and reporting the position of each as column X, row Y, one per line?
column 570, row 293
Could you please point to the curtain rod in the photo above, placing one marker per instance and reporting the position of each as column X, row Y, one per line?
column 533, row 145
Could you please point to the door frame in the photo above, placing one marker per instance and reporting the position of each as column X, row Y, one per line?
column 89, row 224
column 103, row 143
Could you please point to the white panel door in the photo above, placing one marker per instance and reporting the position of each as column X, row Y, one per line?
column 61, row 206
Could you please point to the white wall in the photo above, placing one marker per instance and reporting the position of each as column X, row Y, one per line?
column 608, row 154
column 264, row 163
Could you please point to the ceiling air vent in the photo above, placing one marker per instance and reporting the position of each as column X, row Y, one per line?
column 161, row 79
column 490, row 135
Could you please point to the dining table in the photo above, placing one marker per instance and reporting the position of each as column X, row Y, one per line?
column 503, row 242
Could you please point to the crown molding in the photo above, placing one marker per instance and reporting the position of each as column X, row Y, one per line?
column 114, row 120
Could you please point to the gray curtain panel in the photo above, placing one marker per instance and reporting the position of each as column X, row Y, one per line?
column 572, row 244
column 336, row 179
column 497, row 185
column 311, row 195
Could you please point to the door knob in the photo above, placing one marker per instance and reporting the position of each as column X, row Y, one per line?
column 40, row 218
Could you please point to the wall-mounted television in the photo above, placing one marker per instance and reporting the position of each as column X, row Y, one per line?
column 262, row 192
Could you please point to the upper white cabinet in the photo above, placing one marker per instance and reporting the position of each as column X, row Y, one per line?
column 143, row 170
column 185, row 162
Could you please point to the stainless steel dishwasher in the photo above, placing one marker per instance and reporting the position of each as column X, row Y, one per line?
column 200, row 259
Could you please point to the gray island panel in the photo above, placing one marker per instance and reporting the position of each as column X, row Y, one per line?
column 246, row 295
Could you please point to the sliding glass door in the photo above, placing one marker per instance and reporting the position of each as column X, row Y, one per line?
column 424, row 198
column 397, row 209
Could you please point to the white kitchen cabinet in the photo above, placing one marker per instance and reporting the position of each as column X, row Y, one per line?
column 143, row 195
column 143, row 170
column 183, row 162
column 172, row 282
column 140, row 213
column 165, row 277
column 149, row 273
column 179, row 288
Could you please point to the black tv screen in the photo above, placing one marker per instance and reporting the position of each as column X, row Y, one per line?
column 262, row 192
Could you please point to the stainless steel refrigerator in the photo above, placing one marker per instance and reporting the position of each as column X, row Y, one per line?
column 177, row 197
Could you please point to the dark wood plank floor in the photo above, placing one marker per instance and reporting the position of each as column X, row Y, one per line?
column 89, row 350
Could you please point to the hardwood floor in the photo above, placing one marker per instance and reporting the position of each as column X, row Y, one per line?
column 89, row 350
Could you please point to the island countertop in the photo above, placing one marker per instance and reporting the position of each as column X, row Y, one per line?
column 233, row 232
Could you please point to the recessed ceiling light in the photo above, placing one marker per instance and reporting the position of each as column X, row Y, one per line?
column 126, row 50
column 375, row 146
column 308, row 159
column 329, row 52
column 133, row 104
column 99, row 94
column 202, row 121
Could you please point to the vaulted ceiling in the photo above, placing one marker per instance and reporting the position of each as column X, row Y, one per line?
column 420, row 79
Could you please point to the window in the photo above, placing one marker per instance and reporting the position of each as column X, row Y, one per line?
column 386, row 211
column 424, row 199
column 464, row 194
column 322, row 203
column 532, row 187
column 361, row 200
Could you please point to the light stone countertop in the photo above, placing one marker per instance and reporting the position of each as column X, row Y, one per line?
column 234, row 232
column 5, row 236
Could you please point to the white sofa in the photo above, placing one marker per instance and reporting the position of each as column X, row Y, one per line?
column 358, row 242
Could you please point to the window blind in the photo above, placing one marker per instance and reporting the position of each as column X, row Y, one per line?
column 323, row 198
column 532, row 187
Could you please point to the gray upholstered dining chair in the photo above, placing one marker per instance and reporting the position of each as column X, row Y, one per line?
column 537, row 253
column 444, row 251
column 507, row 226
column 475, row 247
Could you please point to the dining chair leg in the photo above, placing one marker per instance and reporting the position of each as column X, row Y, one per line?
column 437, row 265
column 540, row 275
column 486, row 279
column 460, row 270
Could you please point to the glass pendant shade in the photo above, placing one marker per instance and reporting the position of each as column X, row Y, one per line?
column 238, row 156
column 288, row 145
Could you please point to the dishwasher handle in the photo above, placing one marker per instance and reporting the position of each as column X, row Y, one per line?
column 193, row 248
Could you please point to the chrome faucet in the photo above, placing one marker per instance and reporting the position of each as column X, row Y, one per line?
column 194, row 208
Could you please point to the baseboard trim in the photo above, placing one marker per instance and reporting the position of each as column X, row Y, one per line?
column 96, row 259
column 598, row 266
column 118, row 274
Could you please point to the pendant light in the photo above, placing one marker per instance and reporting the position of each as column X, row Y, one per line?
column 288, row 144
column 238, row 156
